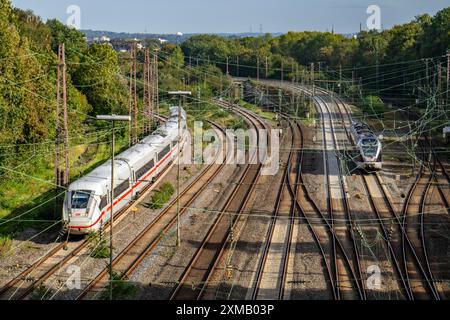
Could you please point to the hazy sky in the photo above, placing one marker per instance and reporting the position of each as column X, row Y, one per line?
column 170, row 16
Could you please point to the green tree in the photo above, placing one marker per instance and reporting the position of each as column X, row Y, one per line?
column 98, row 77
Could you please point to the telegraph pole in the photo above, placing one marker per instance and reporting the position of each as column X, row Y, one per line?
column 190, row 67
column 313, row 87
column 267, row 67
column 133, row 97
column 448, row 74
column 112, row 119
column 293, row 72
column 156, row 80
column 257, row 68
column 61, row 93
column 267, row 74
column 147, row 94
column 228, row 70
column 237, row 65
column 282, row 66
column 180, row 94
column 340, row 79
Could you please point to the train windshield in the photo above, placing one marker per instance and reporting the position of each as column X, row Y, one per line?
column 370, row 151
column 370, row 147
column 80, row 199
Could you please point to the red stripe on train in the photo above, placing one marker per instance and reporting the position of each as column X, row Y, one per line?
column 124, row 195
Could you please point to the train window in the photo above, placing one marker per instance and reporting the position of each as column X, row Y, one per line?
column 103, row 201
column 145, row 168
column 121, row 188
column 163, row 153
column 162, row 133
column 80, row 199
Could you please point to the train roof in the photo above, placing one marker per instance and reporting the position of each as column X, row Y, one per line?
column 99, row 179
column 174, row 112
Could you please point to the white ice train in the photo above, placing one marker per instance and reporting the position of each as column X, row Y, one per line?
column 87, row 205
column 368, row 145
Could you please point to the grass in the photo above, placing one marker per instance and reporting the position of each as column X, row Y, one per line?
column 161, row 196
column 121, row 289
column 29, row 190
column 5, row 245
column 42, row 293
column 266, row 115
column 98, row 246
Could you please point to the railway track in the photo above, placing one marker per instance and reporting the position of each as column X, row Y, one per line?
column 34, row 276
column 338, row 202
column 415, row 278
column 343, row 269
column 380, row 204
column 413, row 224
column 406, row 241
column 141, row 246
column 197, row 274
column 271, row 271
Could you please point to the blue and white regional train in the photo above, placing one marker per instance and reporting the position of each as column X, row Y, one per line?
column 87, row 205
column 368, row 145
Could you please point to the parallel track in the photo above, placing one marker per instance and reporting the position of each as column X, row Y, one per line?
column 141, row 246
column 198, row 272
column 31, row 278
column 281, row 223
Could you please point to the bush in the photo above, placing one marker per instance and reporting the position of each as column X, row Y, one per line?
column 374, row 104
column 121, row 289
column 98, row 245
column 161, row 196
column 5, row 245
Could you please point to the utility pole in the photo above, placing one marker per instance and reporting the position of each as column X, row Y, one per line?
column 280, row 96
column 313, row 87
column 267, row 67
column 132, row 97
column 293, row 73
column 156, row 81
column 237, row 65
column 61, row 180
column 448, row 74
column 267, row 75
column 377, row 66
column 340, row 79
column 228, row 70
column 180, row 94
column 112, row 119
column 257, row 68
column 147, row 94
column 190, row 68
column 282, row 66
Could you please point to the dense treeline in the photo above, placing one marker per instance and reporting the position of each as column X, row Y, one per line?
column 375, row 59
column 97, row 83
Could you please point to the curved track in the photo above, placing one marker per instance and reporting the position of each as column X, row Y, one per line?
column 198, row 272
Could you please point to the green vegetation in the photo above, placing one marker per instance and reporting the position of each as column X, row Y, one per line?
column 380, row 61
column 5, row 245
column 97, row 82
column 122, row 289
column 42, row 293
column 373, row 104
column 98, row 245
column 161, row 196
column 266, row 115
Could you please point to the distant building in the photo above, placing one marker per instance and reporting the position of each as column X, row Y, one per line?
column 162, row 41
column 102, row 39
